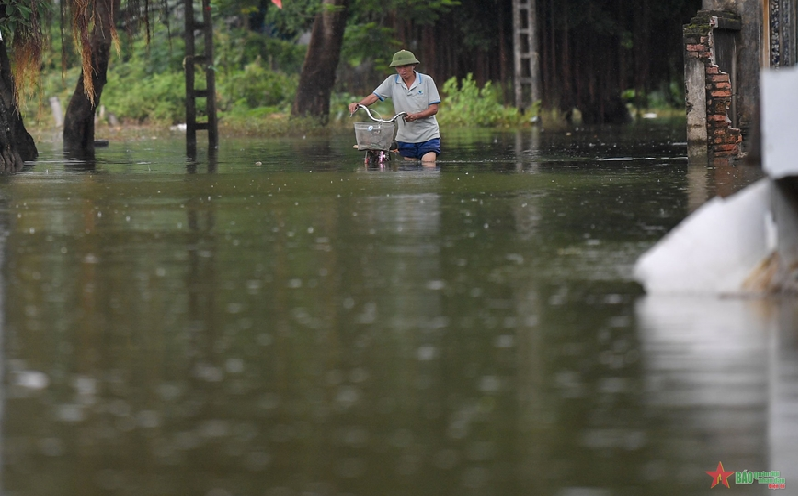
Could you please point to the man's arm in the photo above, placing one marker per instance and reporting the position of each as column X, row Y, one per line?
column 365, row 101
column 428, row 112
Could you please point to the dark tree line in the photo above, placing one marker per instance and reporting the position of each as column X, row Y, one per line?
column 590, row 51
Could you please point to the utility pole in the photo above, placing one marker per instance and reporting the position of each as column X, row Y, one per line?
column 525, row 50
column 204, row 30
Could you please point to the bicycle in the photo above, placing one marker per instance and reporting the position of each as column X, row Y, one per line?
column 375, row 138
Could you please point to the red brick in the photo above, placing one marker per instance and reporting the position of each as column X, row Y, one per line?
column 696, row 48
column 726, row 140
column 719, row 78
column 721, row 93
column 713, row 69
column 722, row 86
column 725, row 148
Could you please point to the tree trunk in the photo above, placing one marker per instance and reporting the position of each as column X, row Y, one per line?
column 79, row 117
column 16, row 144
column 641, row 55
column 321, row 62
column 504, row 58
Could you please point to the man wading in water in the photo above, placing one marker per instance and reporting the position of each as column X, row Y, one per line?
column 419, row 136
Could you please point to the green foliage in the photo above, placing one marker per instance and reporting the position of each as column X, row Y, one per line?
column 158, row 98
column 464, row 104
column 236, row 48
column 24, row 17
column 256, row 87
column 146, row 83
column 295, row 17
column 418, row 11
column 368, row 41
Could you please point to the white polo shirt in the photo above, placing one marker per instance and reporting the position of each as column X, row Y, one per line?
column 421, row 94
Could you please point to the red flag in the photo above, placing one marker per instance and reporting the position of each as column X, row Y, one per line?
column 278, row 3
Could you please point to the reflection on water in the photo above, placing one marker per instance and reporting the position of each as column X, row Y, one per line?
column 725, row 370
column 279, row 320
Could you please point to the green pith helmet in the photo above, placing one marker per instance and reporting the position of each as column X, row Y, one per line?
column 403, row 57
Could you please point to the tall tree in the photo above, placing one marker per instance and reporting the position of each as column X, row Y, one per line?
column 16, row 144
column 21, row 24
column 321, row 61
column 79, row 117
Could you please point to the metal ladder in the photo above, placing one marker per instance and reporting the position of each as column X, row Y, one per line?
column 525, row 51
column 203, row 28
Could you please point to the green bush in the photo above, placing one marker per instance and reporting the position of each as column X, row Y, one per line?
column 464, row 104
column 256, row 87
column 157, row 98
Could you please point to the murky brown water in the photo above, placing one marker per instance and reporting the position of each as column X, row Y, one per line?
column 278, row 320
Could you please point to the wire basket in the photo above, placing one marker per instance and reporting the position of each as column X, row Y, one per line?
column 374, row 135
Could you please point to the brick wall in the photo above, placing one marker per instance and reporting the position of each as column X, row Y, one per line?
column 723, row 141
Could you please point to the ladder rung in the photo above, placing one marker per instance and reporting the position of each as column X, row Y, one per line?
column 201, row 93
column 201, row 125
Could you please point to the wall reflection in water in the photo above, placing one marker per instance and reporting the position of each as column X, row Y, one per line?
column 722, row 381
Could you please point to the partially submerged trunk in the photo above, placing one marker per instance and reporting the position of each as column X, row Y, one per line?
column 79, row 117
column 16, row 144
column 321, row 62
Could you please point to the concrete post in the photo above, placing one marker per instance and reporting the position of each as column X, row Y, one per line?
column 748, row 69
column 696, row 104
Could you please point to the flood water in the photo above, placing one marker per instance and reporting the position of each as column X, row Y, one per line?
column 275, row 319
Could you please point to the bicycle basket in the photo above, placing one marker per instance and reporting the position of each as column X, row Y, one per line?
column 374, row 135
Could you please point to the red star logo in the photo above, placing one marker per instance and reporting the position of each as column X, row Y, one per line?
column 719, row 475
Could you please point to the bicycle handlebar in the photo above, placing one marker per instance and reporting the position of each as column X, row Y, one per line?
column 361, row 106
